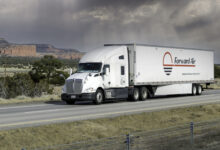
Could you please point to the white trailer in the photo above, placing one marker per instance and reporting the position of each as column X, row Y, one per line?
column 138, row 71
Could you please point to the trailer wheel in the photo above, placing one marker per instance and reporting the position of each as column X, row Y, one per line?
column 70, row 102
column 194, row 90
column 99, row 97
column 143, row 93
column 136, row 94
column 199, row 90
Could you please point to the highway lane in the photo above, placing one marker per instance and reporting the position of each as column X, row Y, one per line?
column 15, row 116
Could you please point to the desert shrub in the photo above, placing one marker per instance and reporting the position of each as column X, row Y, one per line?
column 37, row 76
column 45, row 68
column 217, row 71
column 22, row 84
column 59, row 78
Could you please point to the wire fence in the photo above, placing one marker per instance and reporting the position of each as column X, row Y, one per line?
column 192, row 136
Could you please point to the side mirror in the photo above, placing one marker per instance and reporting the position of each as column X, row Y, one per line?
column 71, row 71
column 107, row 71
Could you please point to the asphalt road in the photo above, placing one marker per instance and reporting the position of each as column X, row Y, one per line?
column 16, row 116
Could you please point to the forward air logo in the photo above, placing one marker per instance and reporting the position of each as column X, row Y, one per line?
column 169, row 63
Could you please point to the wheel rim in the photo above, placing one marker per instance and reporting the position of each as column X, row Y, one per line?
column 99, row 97
column 136, row 95
column 144, row 94
column 194, row 90
column 199, row 89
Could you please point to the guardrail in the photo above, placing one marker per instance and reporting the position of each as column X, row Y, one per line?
column 192, row 136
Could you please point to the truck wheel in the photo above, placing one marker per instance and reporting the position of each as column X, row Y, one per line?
column 194, row 90
column 136, row 94
column 70, row 102
column 99, row 97
column 143, row 93
column 199, row 90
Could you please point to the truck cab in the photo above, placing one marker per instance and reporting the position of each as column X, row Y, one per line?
column 102, row 74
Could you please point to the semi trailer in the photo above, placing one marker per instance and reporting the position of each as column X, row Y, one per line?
column 138, row 72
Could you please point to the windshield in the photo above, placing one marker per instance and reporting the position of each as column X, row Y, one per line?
column 89, row 67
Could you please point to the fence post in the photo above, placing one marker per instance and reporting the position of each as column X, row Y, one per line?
column 128, row 141
column 192, row 132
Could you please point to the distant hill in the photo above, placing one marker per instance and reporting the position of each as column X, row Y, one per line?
column 40, row 50
column 48, row 49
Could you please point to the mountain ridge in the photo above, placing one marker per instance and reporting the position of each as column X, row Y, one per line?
column 45, row 49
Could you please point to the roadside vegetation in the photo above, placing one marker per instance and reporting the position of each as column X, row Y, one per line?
column 23, row 62
column 44, row 74
column 66, row 133
column 217, row 71
column 217, row 78
column 25, row 99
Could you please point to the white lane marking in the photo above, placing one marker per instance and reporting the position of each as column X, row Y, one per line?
column 41, row 111
column 3, row 108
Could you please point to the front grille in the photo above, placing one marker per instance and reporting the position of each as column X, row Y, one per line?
column 74, row 86
column 69, row 86
column 78, row 86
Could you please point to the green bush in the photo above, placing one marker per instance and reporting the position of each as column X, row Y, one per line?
column 217, row 71
column 22, row 84
column 59, row 78
column 45, row 69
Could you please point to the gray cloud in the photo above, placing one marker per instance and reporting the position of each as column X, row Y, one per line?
column 193, row 25
column 85, row 25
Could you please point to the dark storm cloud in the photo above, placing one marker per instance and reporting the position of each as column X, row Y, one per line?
column 87, row 24
column 129, row 4
column 195, row 24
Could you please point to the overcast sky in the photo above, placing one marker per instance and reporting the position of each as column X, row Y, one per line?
column 88, row 24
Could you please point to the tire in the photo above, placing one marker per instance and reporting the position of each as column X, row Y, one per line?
column 199, row 90
column 99, row 97
column 136, row 94
column 194, row 90
column 70, row 102
column 143, row 93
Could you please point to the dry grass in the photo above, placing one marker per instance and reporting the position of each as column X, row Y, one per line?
column 217, row 84
column 44, row 98
column 65, row 133
column 12, row 71
column 25, row 99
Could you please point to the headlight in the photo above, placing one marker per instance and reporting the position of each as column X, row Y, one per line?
column 89, row 90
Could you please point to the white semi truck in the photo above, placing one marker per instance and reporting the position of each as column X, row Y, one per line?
column 137, row 72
